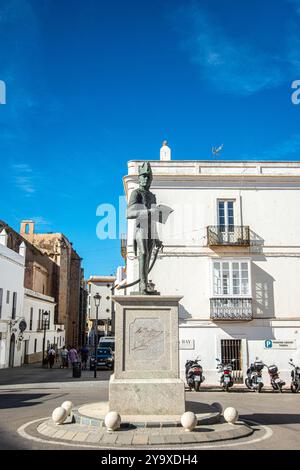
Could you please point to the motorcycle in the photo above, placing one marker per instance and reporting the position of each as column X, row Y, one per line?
column 254, row 379
column 226, row 379
column 194, row 374
column 295, row 374
column 276, row 382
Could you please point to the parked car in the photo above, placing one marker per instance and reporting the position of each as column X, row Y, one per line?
column 105, row 358
column 107, row 342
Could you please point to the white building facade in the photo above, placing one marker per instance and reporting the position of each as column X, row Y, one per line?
column 41, row 331
column 232, row 250
column 104, row 286
column 12, row 266
column 26, row 317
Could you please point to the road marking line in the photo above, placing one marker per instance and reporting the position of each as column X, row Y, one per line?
column 25, row 435
column 267, row 435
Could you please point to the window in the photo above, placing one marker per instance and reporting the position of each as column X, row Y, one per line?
column 232, row 349
column 40, row 327
column 231, row 278
column 31, row 318
column 226, row 215
column 35, row 345
column 1, row 297
column 7, row 296
column 14, row 306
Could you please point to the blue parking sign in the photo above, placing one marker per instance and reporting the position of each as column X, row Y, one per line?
column 268, row 343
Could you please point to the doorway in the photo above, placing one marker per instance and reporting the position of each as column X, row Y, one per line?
column 26, row 349
column 12, row 350
column 232, row 349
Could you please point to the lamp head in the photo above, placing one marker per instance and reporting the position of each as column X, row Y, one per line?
column 97, row 298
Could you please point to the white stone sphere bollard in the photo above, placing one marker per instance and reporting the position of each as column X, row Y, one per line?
column 189, row 421
column 112, row 421
column 231, row 415
column 67, row 405
column 59, row 415
column 218, row 406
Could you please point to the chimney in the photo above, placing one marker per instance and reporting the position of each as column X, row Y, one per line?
column 3, row 237
column 27, row 227
column 22, row 249
column 165, row 151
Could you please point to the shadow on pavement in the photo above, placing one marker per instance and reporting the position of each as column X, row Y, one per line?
column 274, row 418
column 20, row 400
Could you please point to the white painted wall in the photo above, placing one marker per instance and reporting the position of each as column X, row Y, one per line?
column 106, row 308
column 267, row 197
column 54, row 335
column 11, row 280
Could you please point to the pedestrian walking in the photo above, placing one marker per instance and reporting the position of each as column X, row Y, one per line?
column 64, row 356
column 84, row 352
column 73, row 355
column 51, row 356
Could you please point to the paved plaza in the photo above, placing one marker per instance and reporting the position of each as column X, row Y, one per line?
column 29, row 394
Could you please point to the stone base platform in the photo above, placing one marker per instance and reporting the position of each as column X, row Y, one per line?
column 93, row 414
column 98, row 437
column 147, row 396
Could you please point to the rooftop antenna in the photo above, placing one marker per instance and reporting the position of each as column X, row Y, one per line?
column 216, row 150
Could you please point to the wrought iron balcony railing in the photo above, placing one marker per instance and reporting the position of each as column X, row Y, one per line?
column 228, row 308
column 238, row 235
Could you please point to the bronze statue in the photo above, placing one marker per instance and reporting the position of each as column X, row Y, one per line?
column 142, row 207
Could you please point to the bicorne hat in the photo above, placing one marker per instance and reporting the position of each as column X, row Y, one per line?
column 145, row 169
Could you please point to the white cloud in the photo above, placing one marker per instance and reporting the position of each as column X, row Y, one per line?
column 231, row 64
column 288, row 149
column 40, row 222
column 23, row 178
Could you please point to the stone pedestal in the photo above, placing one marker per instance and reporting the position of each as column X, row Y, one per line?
column 146, row 377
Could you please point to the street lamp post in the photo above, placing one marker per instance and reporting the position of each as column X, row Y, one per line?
column 45, row 323
column 97, row 298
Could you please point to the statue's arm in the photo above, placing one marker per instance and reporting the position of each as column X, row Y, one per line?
column 135, row 209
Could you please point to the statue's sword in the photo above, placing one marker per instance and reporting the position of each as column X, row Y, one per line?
column 124, row 286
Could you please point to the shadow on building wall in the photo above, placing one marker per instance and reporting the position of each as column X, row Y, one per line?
column 263, row 293
column 184, row 315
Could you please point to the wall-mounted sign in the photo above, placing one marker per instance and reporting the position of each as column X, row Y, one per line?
column 276, row 344
column 3, row 327
column 187, row 344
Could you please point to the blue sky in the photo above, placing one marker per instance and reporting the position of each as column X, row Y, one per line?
column 92, row 84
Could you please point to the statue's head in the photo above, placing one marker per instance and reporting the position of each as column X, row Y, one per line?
column 145, row 175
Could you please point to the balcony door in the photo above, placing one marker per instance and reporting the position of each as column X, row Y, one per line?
column 226, row 221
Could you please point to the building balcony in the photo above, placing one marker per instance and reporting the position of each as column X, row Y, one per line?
column 230, row 308
column 231, row 235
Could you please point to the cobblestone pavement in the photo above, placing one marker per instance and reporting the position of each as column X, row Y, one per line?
column 22, row 404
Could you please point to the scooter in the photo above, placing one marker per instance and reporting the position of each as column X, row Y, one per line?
column 276, row 382
column 254, row 379
column 226, row 379
column 295, row 374
column 194, row 374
